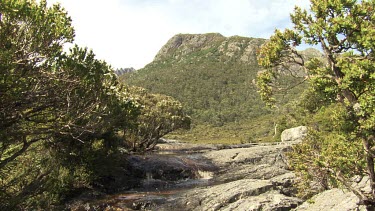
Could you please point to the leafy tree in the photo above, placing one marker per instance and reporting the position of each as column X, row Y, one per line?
column 53, row 105
column 159, row 115
column 25, row 54
column 344, row 29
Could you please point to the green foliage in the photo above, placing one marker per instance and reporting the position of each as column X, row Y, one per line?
column 213, row 77
column 62, row 114
column 159, row 116
column 344, row 31
column 212, row 88
column 246, row 131
column 54, row 107
column 330, row 155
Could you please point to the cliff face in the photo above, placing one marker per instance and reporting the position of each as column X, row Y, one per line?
column 240, row 48
column 182, row 44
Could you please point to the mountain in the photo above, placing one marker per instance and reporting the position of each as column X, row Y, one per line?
column 121, row 71
column 214, row 78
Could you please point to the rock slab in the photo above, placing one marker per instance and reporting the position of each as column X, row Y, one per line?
column 332, row 200
column 294, row 134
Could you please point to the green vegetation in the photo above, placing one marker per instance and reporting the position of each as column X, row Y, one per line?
column 63, row 115
column 159, row 116
column 66, row 123
column 340, row 104
column 214, row 78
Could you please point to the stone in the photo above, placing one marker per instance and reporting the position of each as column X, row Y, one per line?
column 259, row 154
column 182, row 44
column 222, row 195
column 332, row 200
column 268, row 201
column 250, row 178
column 238, row 177
column 294, row 134
column 244, row 194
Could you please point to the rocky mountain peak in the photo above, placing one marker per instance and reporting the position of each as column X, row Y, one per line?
column 121, row 71
column 186, row 43
column 235, row 47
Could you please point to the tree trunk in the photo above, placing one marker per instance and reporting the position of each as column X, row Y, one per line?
column 275, row 124
column 370, row 168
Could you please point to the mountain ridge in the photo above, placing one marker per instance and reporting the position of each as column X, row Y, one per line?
column 214, row 78
column 184, row 44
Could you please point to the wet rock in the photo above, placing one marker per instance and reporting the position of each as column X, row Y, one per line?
column 164, row 167
column 148, row 203
column 173, row 147
column 253, row 178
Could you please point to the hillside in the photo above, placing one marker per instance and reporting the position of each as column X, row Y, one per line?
column 214, row 78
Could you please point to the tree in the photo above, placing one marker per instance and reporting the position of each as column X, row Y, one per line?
column 52, row 103
column 25, row 55
column 159, row 115
column 344, row 29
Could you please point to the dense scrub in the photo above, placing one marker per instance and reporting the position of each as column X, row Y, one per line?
column 63, row 114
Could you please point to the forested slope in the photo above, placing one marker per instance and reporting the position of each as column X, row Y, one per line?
column 214, row 78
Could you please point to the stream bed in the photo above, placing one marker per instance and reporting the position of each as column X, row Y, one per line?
column 164, row 175
column 180, row 176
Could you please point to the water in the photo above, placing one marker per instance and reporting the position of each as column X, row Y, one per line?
column 154, row 191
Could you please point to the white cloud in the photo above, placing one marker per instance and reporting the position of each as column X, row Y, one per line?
column 128, row 33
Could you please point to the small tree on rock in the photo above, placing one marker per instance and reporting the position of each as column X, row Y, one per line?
column 345, row 31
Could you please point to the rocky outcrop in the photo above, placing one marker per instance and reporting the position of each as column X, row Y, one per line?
column 182, row 44
column 339, row 199
column 294, row 134
column 121, row 71
column 242, row 49
column 215, row 177
column 184, row 176
column 251, row 178
column 246, row 194
column 332, row 200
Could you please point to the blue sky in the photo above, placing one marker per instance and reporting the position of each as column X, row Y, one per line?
column 129, row 33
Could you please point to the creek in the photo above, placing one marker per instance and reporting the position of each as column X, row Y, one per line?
column 181, row 176
column 165, row 174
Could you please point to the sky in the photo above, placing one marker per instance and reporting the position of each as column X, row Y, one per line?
column 129, row 33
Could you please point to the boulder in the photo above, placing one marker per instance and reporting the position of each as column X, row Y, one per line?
column 334, row 199
column 339, row 199
column 294, row 134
